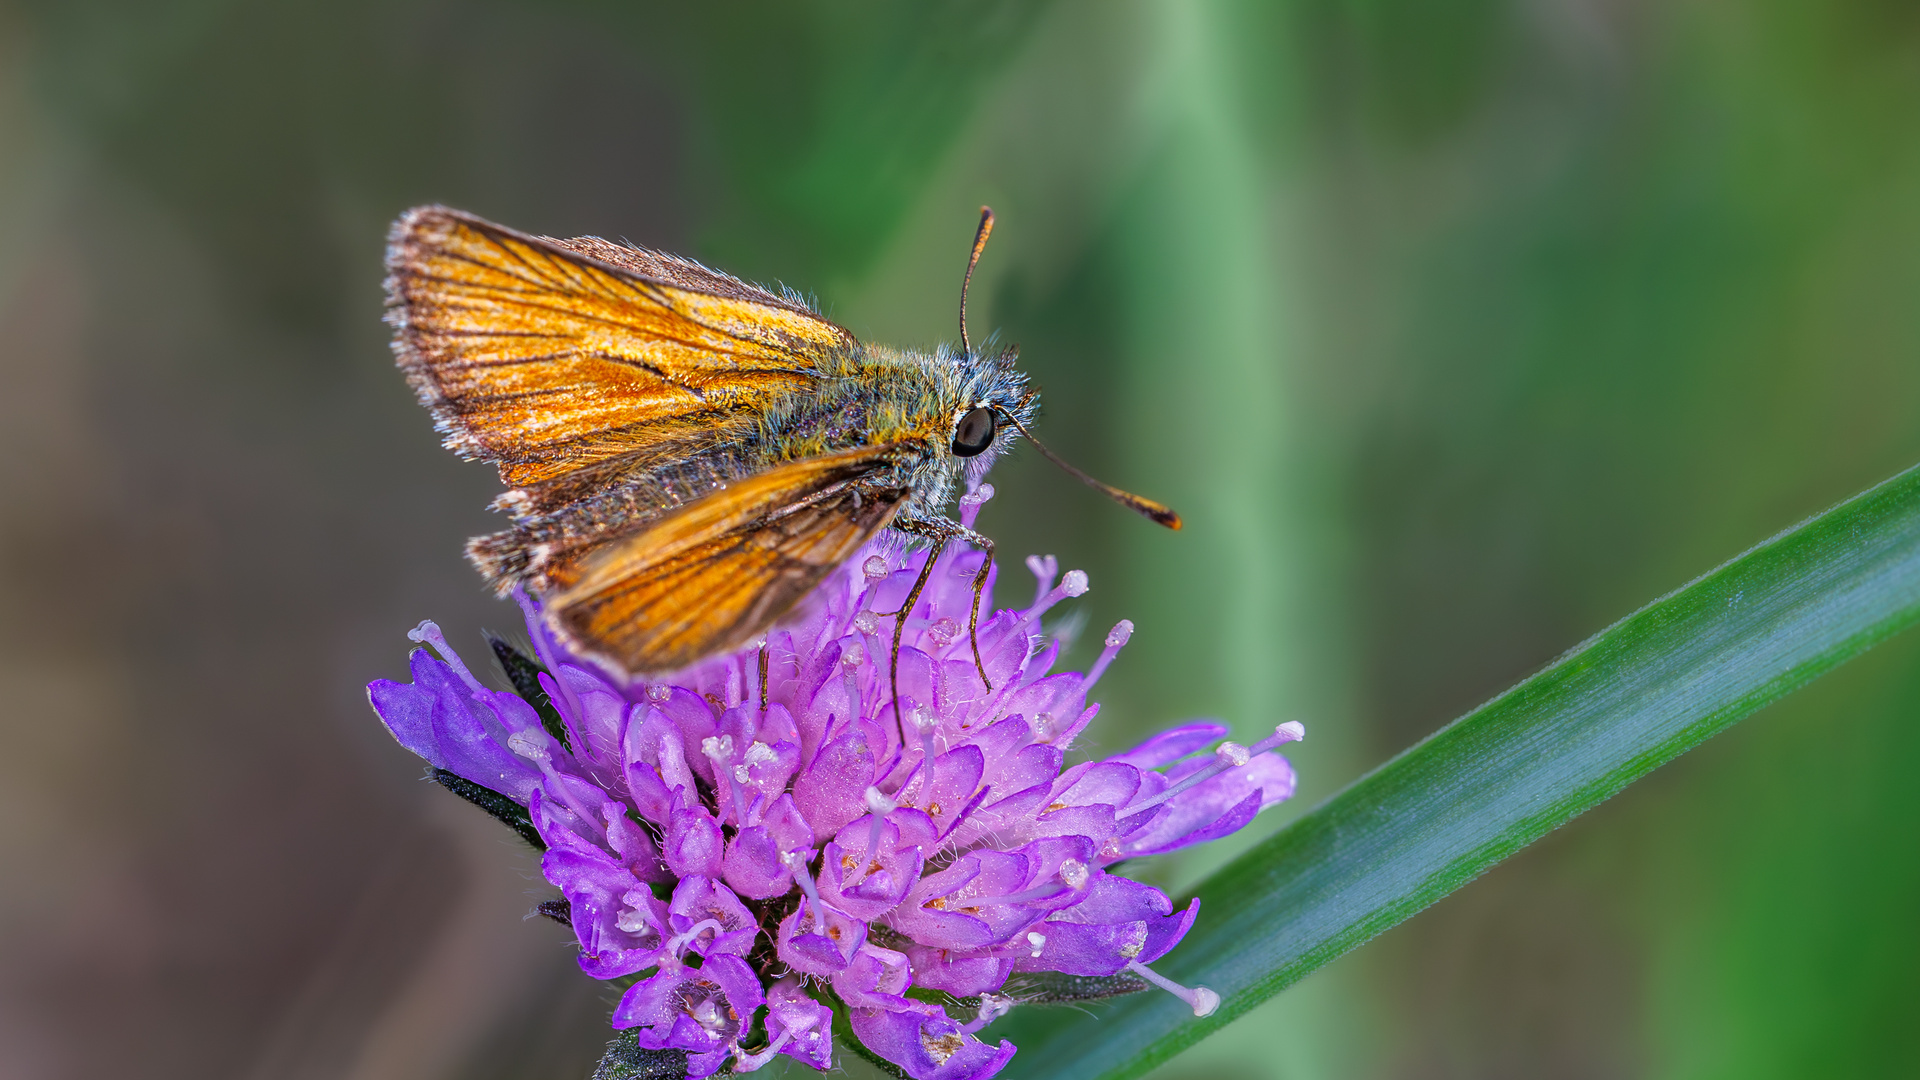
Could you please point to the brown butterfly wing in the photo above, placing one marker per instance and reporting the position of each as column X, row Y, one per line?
column 717, row 573
column 547, row 356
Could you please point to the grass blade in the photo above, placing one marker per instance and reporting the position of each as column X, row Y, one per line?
column 1633, row 697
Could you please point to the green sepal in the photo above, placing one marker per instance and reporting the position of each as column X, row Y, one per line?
column 1056, row 988
column 503, row 809
column 626, row 1059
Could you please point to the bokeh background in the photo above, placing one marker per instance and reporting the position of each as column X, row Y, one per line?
column 1456, row 330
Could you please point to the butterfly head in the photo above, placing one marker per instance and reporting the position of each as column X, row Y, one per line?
column 995, row 403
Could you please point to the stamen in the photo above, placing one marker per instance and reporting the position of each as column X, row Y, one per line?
column 992, row 1007
column 1073, row 584
column 1038, row 941
column 972, row 501
column 1291, row 731
column 680, row 941
column 1116, row 639
column 707, row 1015
column 719, row 750
column 658, row 693
column 873, row 569
column 1073, row 873
column 1043, row 568
column 744, row 1063
column 943, row 631
column 429, row 633
column 879, row 806
column 1230, row 755
column 1202, row 1000
column 866, row 622
column 757, row 754
column 529, row 746
column 797, row 862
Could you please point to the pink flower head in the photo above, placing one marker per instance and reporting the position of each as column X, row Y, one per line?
column 759, row 853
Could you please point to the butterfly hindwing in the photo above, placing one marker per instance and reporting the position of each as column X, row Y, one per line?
column 717, row 573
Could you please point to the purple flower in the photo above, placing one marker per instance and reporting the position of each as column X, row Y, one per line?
column 754, row 855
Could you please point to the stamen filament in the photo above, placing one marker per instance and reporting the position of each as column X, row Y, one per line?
column 1116, row 638
column 1202, row 1000
column 680, row 941
column 1230, row 755
column 1073, row 583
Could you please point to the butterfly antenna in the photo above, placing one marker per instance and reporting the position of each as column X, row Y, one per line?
column 973, row 259
column 1158, row 512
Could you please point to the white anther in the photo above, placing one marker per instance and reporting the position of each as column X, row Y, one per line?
column 874, row 568
column 1292, row 731
column 943, row 631
column 922, row 719
column 878, row 804
column 659, row 692
column 528, row 745
column 978, row 495
column 1074, row 873
column 1121, row 631
column 1075, row 583
column 1038, row 941
column 718, row 748
column 853, row 657
column 632, row 920
column 1232, row 754
column 866, row 622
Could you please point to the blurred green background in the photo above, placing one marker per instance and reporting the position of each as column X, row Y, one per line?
column 1456, row 331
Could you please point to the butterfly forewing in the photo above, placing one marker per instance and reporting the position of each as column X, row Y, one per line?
column 715, row 574
column 546, row 356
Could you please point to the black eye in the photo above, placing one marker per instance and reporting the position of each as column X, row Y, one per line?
column 974, row 433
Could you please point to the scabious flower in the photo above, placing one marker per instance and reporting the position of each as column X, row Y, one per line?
column 760, row 842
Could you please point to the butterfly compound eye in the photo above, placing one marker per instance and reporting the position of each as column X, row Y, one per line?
column 974, row 433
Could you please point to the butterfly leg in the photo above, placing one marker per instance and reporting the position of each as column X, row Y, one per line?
column 763, row 677
column 973, row 617
column 943, row 531
column 939, row 537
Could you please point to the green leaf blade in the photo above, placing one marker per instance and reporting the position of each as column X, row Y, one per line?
column 1629, row 699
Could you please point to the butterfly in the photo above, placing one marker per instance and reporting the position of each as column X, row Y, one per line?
column 686, row 455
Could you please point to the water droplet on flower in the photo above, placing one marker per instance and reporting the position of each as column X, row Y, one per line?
column 1074, row 873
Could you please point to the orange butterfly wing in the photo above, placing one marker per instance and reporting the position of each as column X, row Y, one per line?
column 717, row 573
column 546, row 356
